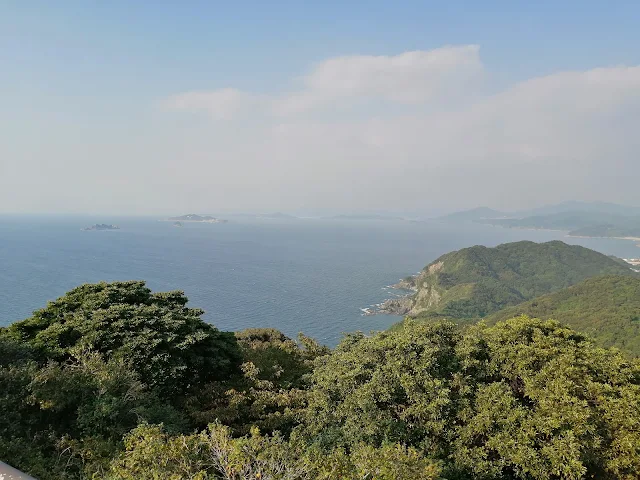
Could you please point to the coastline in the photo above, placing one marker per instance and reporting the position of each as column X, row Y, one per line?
column 568, row 233
column 633, row 239
column 400, row 305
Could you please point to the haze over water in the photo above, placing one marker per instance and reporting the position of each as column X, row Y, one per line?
column 294, row 275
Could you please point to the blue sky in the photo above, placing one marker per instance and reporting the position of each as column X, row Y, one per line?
column 153, row 48
column 78, row 75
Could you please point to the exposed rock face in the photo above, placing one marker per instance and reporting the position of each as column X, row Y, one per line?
column 395, row 306
column 435, row 267
column 408, row 283
column 426, row 298
column 401, row 305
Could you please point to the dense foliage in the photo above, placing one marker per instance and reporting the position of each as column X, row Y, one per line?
column 474, row 282
column 165, row 342
column 522, row 399
column 607, row 308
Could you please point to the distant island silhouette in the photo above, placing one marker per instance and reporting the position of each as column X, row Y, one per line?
column 101, row 226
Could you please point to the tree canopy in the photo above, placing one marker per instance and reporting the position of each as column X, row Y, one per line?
column 525, row 398
column 164, row 341
column 522, row 399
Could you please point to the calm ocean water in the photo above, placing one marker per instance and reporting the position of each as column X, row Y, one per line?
column 295, row 275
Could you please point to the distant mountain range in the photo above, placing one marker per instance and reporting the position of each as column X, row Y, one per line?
column 589, row 219
column 480, row 213
column 564, row 207
column 577, row 206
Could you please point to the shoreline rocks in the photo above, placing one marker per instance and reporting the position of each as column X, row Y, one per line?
column 401, row 305
column 395, row 306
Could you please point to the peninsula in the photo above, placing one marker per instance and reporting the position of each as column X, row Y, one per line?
column 474, row 282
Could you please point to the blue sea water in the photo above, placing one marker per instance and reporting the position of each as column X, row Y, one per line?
column 306, row 275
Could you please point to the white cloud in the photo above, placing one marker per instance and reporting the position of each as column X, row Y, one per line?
column 409, row 78
column 412, row 131
column 221, row 104
column 441, row 145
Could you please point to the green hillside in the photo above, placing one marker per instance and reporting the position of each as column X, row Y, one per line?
column 606, row 308
column 474, row 282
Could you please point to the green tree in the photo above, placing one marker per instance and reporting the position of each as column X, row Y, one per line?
column 523, row 399
column 151, row 454
column 546, row 403
column 165, row 342
column 68, row 418
column 270, row 393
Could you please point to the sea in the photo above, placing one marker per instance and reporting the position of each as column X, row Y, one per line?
column 297, row 275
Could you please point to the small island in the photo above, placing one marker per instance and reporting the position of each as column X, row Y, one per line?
column 178, row 224
column 192, row 217
column 101, row 226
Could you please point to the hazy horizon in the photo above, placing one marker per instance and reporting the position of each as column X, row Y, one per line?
column 121, row 109
column 570, row 205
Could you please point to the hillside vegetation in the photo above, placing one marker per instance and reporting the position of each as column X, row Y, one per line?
column 115, row 382
column 474, row 282
column 606, row 308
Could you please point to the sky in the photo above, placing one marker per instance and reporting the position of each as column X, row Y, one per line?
column 349, row 107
